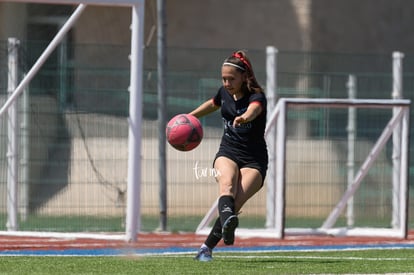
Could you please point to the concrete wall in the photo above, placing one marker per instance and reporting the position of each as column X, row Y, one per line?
column 12, row 21
column 369, row 26
column 294, row 25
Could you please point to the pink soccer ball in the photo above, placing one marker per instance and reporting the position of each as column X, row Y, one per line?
column 184, row 132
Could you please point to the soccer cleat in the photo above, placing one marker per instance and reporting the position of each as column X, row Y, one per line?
column 229, row 227
column 204, row 254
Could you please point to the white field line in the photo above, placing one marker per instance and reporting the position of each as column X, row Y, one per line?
column 259, row 256
column 313, row 257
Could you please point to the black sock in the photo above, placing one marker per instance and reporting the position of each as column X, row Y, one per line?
column 225, row 208
column 215, row 235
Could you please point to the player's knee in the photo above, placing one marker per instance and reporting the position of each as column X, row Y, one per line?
column 226, row 189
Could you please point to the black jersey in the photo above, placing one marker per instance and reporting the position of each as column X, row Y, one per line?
column 248, row 135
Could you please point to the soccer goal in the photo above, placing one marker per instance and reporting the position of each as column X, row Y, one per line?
column 135, row 113
column 338, row 172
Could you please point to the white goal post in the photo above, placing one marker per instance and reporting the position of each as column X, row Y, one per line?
column 85, row 2
column 135, row 107
column 278, row 117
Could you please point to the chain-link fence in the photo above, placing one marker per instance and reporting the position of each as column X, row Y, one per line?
column 74, row 143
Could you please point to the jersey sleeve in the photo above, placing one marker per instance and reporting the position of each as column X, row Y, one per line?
column 217, row 98
column 258, row 98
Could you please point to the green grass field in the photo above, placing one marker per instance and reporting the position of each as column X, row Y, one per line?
column 328, row 262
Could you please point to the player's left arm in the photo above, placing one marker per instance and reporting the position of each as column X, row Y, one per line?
column 253, row 110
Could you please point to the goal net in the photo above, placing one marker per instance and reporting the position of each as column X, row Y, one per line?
column 340, row 168
column 55, row 179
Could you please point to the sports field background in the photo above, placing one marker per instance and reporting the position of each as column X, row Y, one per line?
column 73, row 131
column 74, row 149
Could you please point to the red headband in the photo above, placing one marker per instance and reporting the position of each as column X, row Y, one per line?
column 242, row 59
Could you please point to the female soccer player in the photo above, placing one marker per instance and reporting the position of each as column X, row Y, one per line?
column 241, row 161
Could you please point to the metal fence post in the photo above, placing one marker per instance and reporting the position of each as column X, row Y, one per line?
column 271, row 94
column 396, row 138
column 12, row 142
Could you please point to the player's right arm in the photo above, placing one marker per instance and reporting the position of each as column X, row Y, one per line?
column 205, row 109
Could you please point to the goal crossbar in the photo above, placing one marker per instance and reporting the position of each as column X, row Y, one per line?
column 278, row 118
column 86, row 2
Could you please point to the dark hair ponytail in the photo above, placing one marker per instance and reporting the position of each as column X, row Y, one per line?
column 242, row 63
